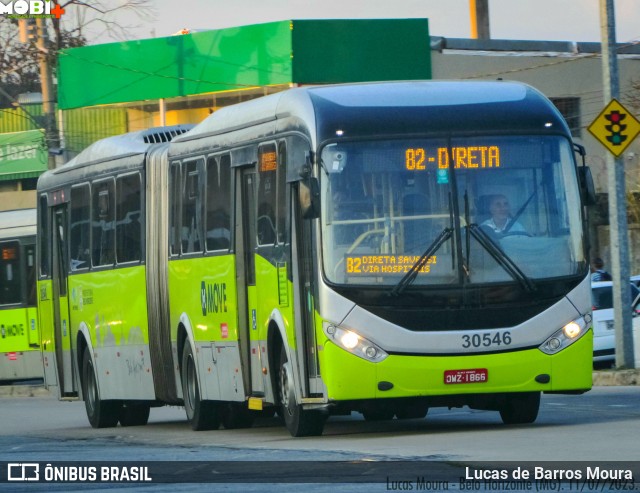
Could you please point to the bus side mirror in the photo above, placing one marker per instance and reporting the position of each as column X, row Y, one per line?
column 587, row 189
column 309, row 197
column 585, row 180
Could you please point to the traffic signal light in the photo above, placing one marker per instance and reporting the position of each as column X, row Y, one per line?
column 616, row 128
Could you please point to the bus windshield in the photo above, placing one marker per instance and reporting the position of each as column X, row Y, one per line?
column 443, row 211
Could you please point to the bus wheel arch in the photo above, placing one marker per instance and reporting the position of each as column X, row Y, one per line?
column 101, row 413
column 81, row 347
column 83, row 342
column 275, row 346
column 181, row 339
column 202, row 415
column 300, row 422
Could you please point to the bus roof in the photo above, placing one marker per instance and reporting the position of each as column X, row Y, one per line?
column 17, row 223
column 394, row 108
column 130, row 148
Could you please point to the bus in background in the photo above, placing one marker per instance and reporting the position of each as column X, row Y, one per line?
column 379, row 248
column 19, row 337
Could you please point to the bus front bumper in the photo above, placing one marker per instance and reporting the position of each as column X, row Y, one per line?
column 348, row 377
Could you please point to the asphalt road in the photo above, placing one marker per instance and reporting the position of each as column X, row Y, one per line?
column 599, row 426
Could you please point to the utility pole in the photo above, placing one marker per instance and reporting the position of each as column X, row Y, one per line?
column 618, row 231
column 479, row 12
column 48, row 107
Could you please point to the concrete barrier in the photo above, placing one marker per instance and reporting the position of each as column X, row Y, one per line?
column 23, row 391
column 616, row 377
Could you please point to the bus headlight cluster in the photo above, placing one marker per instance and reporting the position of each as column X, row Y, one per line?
column 565, row 336
column 355, row 343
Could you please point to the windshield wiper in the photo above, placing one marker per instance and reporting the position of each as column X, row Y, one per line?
column 410, row 276
column 502, row 258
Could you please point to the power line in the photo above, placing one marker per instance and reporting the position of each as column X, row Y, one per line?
column 574, row 58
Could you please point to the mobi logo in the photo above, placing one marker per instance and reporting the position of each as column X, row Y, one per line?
column 30, row 8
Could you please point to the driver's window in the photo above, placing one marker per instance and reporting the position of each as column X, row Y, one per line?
column 267, row 194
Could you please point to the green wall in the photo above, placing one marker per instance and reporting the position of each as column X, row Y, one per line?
column 211, row 61
column 335, row 51
column 299, row 51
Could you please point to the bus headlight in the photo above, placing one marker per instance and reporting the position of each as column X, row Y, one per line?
column 355, row 343
column 565, row 336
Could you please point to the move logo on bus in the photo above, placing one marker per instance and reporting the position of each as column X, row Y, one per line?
column 213, row 297
column 11, row 330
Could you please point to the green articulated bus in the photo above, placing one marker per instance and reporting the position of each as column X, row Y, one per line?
column 19, row 336
column 380, row 248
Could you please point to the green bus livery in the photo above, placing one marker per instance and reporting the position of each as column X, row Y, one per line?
column 19, row 336
column 378, row 247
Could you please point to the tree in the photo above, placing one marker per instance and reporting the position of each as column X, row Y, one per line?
column 19, row 62
column 633, row 162
column 100, row 18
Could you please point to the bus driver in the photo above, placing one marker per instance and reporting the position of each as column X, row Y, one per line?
column 501, row 216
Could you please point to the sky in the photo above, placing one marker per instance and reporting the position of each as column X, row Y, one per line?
column 561, row 20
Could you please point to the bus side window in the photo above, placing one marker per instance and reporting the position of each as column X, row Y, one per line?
column 128, row 215
column 192, row 208
column 102, row 239
column 281, row 209
column 30, row 253
column 218, row 203
column 175, row 196
column 43, row 236
column 267, row 198
column 10, row 276
column 80, row 228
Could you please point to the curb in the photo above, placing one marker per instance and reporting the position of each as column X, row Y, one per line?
column 23, row 391
column 616, row 377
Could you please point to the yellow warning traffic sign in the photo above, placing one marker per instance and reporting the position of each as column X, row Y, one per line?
column 615, row 127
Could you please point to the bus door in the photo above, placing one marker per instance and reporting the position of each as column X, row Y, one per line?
column 30, row 278
column 245, row 245
column 303, row 285
column 63, row 341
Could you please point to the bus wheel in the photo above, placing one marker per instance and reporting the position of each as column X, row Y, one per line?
column 236, row 415
column 299, row 422
column 101, row 414
column 520, row 408
column 203, row 415
column 134, row 414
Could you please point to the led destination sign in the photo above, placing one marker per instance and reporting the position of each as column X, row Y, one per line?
column 268, row 161
column 9, row 253
column 419, row 158
column 381, row 265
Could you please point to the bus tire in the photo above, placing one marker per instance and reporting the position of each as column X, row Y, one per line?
column 101, row 413
column 134, row 414
column 299, row 422
column 203, row 415
column 520, row 408
column 235, row 415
